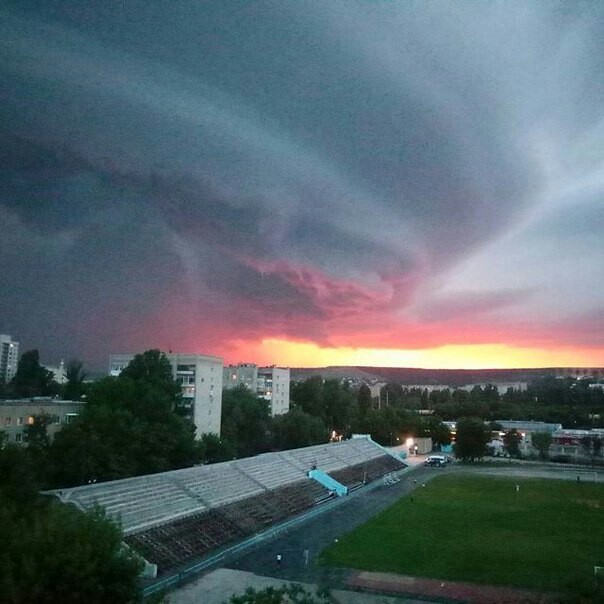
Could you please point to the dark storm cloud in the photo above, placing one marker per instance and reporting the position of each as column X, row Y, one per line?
column 331, row 171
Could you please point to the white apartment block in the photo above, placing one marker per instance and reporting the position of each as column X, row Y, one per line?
column 200, row 377
column 273, row 385
column 9, row 357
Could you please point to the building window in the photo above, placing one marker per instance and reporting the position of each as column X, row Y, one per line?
column 8, row 421
column 19, row 421
column 18, row 437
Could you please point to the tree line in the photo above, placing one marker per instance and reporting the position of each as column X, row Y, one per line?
column 577, row 403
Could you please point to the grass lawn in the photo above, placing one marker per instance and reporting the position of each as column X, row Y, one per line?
column 547, row 536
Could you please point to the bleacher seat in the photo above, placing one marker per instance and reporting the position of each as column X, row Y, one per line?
column 175, row 517
column 270, row 470
column 218, row 484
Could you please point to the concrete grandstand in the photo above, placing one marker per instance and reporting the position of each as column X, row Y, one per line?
column 174, row 518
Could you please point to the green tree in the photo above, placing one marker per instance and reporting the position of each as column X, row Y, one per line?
column 19, row 476
column 392, row 395
column 364, row 399
column 338, row 403
column 471, row 440
column 436, row 430
column 38, row 446
column 4, row 389
column 308, row 395
column 55, row 553
column 542, row 441
column 245, row 421
column 210, row 448
column 75, row 374
column 297, row 429
column 127, row 428
column 596, row 443
column 511, row 442
column 286, row 594
column 329, row 400
column 36, row 433
column 389, row 423
column 153, row 368
column 50, row 552
column 31, row 379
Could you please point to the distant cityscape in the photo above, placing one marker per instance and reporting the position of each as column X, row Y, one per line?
column 202, row 379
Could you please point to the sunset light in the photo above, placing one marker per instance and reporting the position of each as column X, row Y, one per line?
column 298, row 354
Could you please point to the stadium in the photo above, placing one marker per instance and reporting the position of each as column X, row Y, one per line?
column 180, row 521
column 280, row 515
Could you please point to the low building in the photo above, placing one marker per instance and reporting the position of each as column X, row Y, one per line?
column 200, row 377
column 525, row 429
column 577, row 444
column 16, row 415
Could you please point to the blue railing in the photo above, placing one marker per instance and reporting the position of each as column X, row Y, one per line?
column 328, row 482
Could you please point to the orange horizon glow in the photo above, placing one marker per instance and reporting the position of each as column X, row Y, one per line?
column 287, row 353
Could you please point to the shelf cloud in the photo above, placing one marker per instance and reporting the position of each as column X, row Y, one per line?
column 361, row 175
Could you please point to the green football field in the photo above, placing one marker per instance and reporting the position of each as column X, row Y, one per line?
column 548, row 535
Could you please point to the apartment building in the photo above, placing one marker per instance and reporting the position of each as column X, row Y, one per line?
column 243, row 374
column 269, row 383
column 273, row 385
column 9, row 357
column 200, row 377
column 16, row 415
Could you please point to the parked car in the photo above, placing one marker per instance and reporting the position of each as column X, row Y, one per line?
column 437, row 461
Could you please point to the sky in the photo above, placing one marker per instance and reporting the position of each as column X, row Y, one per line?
column 304, row 183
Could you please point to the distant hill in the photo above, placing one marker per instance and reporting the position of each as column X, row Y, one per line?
column 447, row 377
